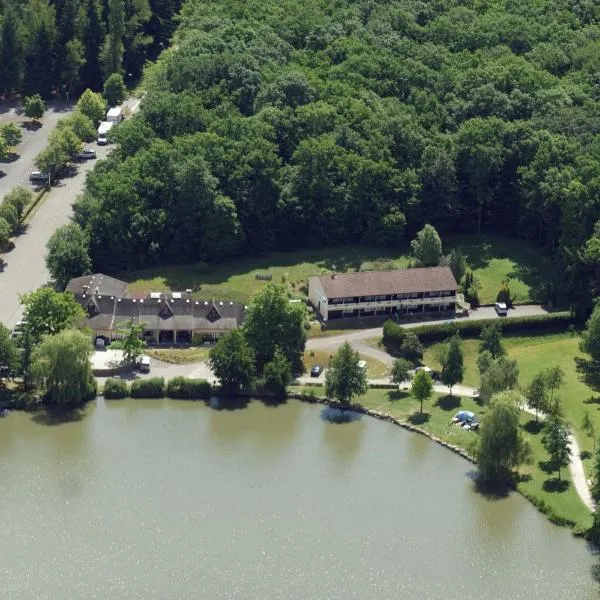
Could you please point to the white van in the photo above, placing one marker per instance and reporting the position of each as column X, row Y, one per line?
column 144, row 364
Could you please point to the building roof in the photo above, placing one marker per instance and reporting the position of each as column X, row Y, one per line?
column 97, row 284
column 379, row 283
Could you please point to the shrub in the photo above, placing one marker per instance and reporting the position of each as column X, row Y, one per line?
column 394, row 334
column 188, row 389
column 115, row 389
column 152, row 387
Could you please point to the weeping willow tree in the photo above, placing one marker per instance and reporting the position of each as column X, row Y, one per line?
column 61, row 368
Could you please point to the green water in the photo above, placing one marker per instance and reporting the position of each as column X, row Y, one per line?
column 169, row 500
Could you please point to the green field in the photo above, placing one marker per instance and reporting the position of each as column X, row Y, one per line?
column 492, row 259
column 581, row 389
column 437, row 413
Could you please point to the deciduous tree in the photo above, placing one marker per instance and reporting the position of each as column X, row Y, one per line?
column 277, row 373
column 35, row 107
column 537, row 394
column 421, row 387
column 590, row 340
column 588, row 427
column 501, row 375
column 92, row 105
column 556, row 442
column 68, row 254
column 48, row 312
column 11, row 133
column 132, row 344
column 345, row 379
column 232, row 361
column 272, row 322
column 61, row 367
column 491, row 340
column 501, row 447
column 114, row 89
column 401, row 371
column 555, row 377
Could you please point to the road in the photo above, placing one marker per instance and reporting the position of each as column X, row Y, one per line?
column 32, row 143
column 24, row 267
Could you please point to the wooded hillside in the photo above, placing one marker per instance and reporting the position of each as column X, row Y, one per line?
column 278, row 124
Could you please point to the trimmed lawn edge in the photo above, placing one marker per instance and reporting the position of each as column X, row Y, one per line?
column 538, row 503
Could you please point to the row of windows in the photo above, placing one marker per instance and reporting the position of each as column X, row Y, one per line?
column 388, row 297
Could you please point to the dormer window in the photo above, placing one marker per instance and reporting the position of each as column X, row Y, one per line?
column 213, row 314
column 166, row 311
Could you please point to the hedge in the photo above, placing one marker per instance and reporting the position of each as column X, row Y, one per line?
column 115, row 389
column 393, row 334
column 152, row 387
column 188, row 389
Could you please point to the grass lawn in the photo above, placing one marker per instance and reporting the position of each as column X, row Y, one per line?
column 375, row 368
column 179, row 356
column 437, row 413
column 580, row 391
column 492, row 258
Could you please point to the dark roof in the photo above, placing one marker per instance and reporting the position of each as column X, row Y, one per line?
column 97, row 284
column 376, row 283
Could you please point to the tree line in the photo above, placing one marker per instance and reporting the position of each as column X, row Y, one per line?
column 267, row 127
column 64, row 46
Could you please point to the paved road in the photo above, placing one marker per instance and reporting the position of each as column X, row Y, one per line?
column 33, row 142
column 355, row 337
column 24, row 267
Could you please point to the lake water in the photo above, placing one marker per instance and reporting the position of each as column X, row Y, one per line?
column 170, row 500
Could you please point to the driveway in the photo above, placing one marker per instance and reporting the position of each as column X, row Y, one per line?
column 33, row 142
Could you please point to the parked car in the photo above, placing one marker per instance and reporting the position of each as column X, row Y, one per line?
column 86, row 154
column 38, row 177
column 316, row 371
column 501, row 309
column 144, row 364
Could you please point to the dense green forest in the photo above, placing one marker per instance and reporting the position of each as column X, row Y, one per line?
column 280, row 124
column 61, row 46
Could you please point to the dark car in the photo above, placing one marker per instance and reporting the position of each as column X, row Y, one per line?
column 316, row 370
column 86, row 154
column 38, row 177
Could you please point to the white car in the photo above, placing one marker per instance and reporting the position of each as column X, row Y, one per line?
column 501, row 309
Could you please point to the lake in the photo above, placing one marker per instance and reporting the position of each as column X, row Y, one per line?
column 169, row 500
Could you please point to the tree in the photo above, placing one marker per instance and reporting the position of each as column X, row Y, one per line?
column 501, row 375
column 427, row 247
column 5, row 232
column 595, row 487
column 537, row 396
column 11, row 133
column 588, row 427
column 81, row 125
column 112, row 51
column 8, row 351
column 232, row 361
column 590, row 339
column 49, row 312
column 35, row 107
column 51, row 160
column 61, row 367
column 277, row 373
column 453, row 368
column 273, row 322
column 458, row 264
column 555, row 377
column 114, row 89
column 345, row 379
column 504, row 294
column 68, row 254
column 401, row 371
column 92, row 105
column 20, row 198
column 72, row 64
column 411, row 347
column 556, row 442
column 501, row 447
column 422, row 386
column 491, row 340
column 65, row 142
column 92, row 37
column 132, row 344
column 11, row 51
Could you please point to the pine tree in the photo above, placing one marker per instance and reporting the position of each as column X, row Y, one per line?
column 11, row 53
column 92, row 36
column 112, row 51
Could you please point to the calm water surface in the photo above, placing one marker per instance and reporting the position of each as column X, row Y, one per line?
column 168, row 500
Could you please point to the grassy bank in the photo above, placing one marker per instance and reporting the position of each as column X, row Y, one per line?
column 559, row 501
column 178, row 356
column 492, row 258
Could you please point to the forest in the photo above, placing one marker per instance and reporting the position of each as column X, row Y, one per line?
column 278, row 124
column 51, row 47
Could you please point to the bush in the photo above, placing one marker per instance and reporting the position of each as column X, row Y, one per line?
column 153, row 387
column 392, row 332
column 115, row 389
column 188, row 389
